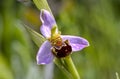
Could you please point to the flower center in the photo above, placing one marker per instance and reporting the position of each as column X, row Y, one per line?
column 56, row 41
column 62, row 51
column 59, row 48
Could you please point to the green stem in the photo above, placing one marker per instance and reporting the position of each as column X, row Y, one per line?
column 67, row 66
column 59, row 63
column 70, row 67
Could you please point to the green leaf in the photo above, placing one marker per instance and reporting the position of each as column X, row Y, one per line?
column 42, row 4
column 36, row 37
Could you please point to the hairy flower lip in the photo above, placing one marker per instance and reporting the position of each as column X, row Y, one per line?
column 63, row 51
column 48, row 27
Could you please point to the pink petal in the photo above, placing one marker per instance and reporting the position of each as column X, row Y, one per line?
column 77, row 43
column 44, row 55
column 48, row 22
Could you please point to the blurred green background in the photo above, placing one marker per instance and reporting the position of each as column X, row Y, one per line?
column 96, row 20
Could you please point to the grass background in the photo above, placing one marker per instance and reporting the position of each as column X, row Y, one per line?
column 96, row 20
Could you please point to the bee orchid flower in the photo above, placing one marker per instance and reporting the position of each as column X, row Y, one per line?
column 56, row 45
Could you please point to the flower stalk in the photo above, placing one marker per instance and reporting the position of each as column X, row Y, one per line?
column 60, row 65
column 71, row 67
column 67, row 66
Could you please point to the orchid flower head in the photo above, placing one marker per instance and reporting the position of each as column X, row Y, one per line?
column 56, row 45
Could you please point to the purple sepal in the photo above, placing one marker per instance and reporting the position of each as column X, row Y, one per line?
column 44, row 55
column 77, row 43
column 48, row 22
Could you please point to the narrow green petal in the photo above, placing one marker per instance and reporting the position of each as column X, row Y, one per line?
column 36, row 37
column 42, row 4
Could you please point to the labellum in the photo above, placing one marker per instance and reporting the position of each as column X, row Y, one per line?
column 62, row 51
